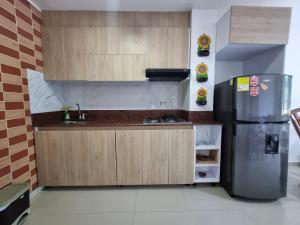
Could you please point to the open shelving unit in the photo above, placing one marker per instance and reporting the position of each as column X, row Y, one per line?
column 207, row 153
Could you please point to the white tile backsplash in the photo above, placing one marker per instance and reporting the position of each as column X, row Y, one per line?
column 126, row 95
column 47, row 96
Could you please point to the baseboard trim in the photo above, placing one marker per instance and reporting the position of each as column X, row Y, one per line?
column 35, row 192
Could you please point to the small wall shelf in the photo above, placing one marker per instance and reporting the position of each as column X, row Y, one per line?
column 207, row 153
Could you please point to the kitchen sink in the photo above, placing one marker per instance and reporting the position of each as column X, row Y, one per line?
column 74, row 122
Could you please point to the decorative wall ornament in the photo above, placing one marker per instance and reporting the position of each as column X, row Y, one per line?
column 201, row 96
column 204, row 42
column 202, row 70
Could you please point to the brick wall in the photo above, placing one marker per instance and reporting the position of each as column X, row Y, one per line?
column 20, row 48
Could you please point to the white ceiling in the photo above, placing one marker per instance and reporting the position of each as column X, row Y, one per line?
column 145, row 5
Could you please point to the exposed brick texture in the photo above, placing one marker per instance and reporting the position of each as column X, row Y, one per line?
column 19, row 36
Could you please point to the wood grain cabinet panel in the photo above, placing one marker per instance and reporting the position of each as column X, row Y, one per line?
column 102, row 40
column 53, row 54
column 129, row 157
column 74, row 53
column 51, row 158
column 260, row 25
column 113, row 46
column 157, row 47
column 102, row 153
column 243, row 26
column 155, row 156
column 167, row 47
column 116, row 67
column 109, row 157
column 77, row 157
column 178, row 47
column 181, row 156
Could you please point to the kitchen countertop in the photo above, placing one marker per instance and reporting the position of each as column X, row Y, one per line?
column 101, row 125
column 122, row 119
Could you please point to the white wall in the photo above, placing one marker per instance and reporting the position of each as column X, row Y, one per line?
column 202, row 21
column 226, row 70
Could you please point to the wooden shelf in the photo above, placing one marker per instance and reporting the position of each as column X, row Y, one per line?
column 210, row 178
column 207, row 147
column 207, row 153
column 206, row 163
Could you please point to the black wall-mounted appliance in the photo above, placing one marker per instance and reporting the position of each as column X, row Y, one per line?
column 167, row 74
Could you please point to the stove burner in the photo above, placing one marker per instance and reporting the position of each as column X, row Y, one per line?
column 164, row 119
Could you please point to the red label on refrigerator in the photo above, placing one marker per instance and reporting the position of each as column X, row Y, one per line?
column 254, row 91
column 254, row 81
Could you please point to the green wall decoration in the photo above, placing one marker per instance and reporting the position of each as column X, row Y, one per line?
column 201, row 96
column 204, row 42
column 202, row 72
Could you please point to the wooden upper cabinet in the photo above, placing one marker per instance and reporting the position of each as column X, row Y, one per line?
column 53, row 53
column 74, row 53
column 113, row 46
column 254, row 25
column 115, row 40
column 167, row 47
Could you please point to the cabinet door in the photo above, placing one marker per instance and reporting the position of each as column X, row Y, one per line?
column 116, row 67
column 157, row 48
column 54, row 64
column 181, row 156
column 74, row 53
column 155, row 156
column 102, row 40
column 260, row 25
column 77, row 157
column 102, row 153
column 51, row 158
column 129, row 157
column 178, row 47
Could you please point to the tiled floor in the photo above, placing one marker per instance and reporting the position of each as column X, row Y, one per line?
column 201, row 205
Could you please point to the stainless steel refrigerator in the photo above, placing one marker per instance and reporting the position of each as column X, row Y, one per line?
column 255, row 111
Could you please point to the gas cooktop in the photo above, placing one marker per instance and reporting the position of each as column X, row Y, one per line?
column 169, row 119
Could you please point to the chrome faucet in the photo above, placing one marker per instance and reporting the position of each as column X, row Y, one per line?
column 81, row 116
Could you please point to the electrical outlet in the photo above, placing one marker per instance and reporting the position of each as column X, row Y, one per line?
column 163, row 102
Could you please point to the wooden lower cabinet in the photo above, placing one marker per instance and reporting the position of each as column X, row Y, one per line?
column 115, row 157
column 181, row 156
column 76, row 158
column 129, row 157
column 155, row 157
column 51, row 158
column 101, row 146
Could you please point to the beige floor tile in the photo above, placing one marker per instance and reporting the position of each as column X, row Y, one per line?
column 162, row 218
column 80, row 219
column 221, row 218
column 276, row 214
column 209, row 198
column 160, row 199
column 85, row 201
